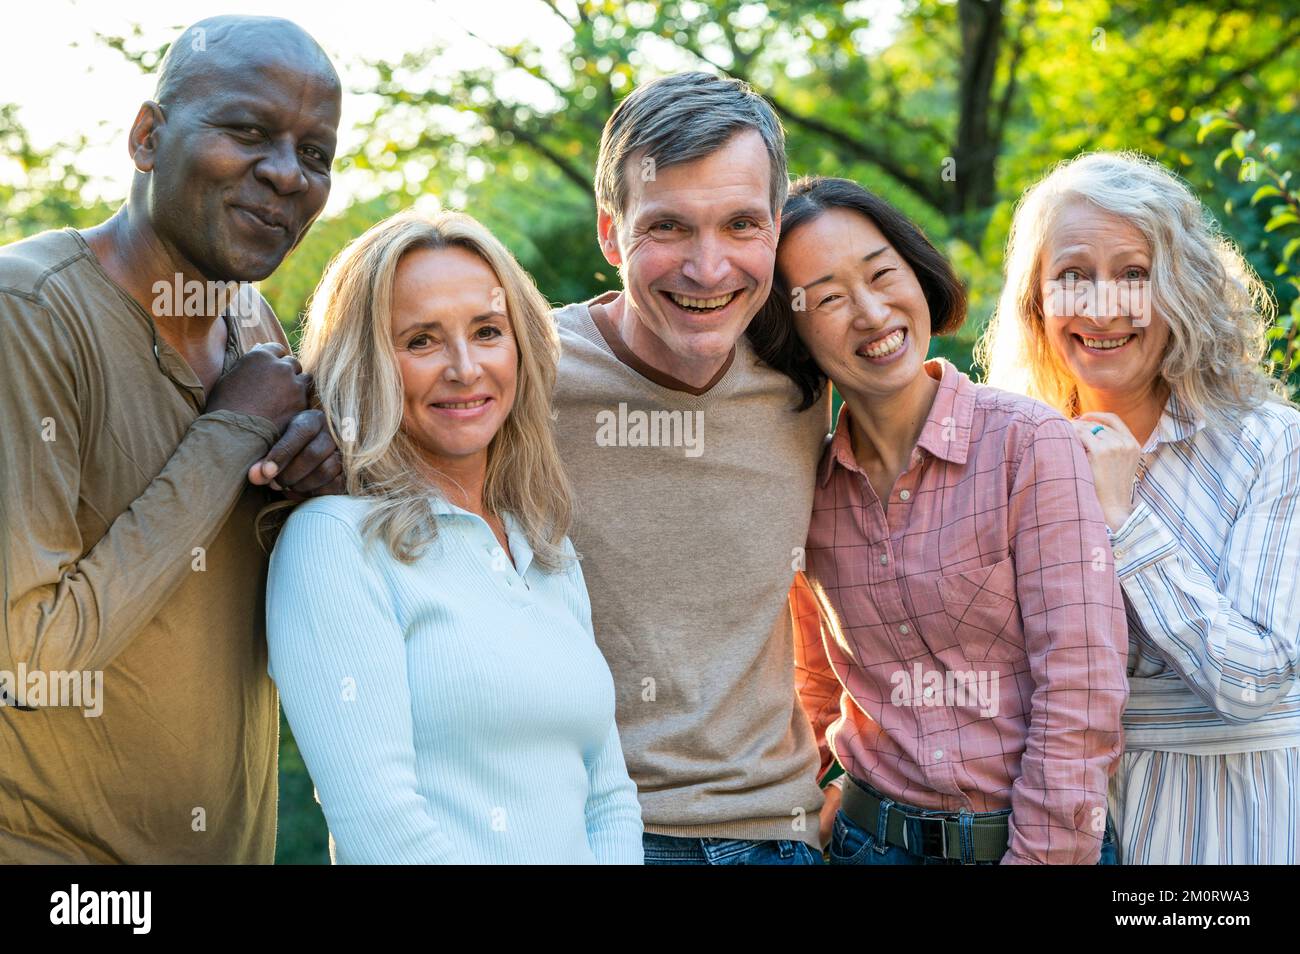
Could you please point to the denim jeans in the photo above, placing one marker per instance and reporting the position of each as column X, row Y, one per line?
column 670, row 850
column 851, row 844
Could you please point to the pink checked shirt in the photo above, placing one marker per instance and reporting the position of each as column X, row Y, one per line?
column 974, row 656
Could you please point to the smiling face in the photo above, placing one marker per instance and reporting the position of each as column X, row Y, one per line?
column 456, row 351
column 866, row 321
column 695, row 250
column 241, row 166
column 1098, row 317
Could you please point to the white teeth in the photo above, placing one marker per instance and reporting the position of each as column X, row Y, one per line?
column 1108, row 344
column 701, row 303
column 465, row 404
column 885, row 346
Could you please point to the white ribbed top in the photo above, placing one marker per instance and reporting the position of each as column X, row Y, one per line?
column 453, row 710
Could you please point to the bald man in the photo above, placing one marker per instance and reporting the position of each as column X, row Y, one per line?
column 142, row 384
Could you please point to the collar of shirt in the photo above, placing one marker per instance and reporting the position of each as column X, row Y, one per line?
column 170, row 361
column 1176, row 424
column 947, row 429
column 521, row 553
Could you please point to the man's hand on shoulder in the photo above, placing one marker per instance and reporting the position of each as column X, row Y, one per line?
column 305, row 462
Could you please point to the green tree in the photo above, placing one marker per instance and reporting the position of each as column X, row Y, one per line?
column 47, row 190
column 951, row 118
column 1271, row 213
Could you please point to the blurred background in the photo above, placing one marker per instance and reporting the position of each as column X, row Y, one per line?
column 947, row 108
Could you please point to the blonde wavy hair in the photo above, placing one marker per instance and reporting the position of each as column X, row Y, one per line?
column 347, row 346
column 1216, row 307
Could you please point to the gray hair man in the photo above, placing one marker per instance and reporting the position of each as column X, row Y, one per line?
column 695, row 475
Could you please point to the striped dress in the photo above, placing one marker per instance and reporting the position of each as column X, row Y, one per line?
column 1209, row 562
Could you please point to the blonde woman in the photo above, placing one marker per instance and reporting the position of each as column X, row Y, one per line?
column 1125, row 309
column 430, row 634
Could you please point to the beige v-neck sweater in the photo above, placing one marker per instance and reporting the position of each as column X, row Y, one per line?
column 692, row 512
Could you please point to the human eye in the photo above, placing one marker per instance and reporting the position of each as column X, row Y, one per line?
column 829, row 299
column 1134, row 273
column 488, row 332
column 420, row 342
column 1070, row 275
column 883, row 271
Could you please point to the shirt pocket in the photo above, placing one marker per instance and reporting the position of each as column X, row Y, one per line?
column 982, row 606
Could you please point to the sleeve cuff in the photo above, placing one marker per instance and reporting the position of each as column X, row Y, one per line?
column 251, row 423
column 1141, row 541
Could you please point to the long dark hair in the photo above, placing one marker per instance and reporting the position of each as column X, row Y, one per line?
column 772, row 331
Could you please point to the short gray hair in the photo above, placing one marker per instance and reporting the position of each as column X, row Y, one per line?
column 681, row 118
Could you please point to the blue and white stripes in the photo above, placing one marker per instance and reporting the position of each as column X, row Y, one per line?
column 1209, row 562
column 1240, row 809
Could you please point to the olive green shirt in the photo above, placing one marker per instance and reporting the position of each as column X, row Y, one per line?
column 128, row 547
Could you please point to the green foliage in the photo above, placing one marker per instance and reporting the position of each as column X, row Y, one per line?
column 289, row 289
column 302, row 837
column 1269, row 220
column 1069, row 77
column 50, row 193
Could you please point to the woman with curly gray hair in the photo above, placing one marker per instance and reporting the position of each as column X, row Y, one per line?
column 1126, row 309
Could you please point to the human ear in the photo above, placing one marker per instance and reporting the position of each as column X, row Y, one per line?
column 607, row 235
column 142, row 141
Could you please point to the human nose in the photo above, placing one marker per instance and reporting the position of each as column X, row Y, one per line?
column 462, row 366
column 280, row 168
column 1101, row 303
column 707, row 264
column 1112, row 302
column 870, row 310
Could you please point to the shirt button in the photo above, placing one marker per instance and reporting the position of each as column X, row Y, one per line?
column 904, row 629
column 938, row 755
column 883, row 559
column 904, row 495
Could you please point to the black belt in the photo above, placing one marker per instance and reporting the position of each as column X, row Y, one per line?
column 940, row 835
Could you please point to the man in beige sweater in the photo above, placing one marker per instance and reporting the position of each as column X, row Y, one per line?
column 694, row 474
